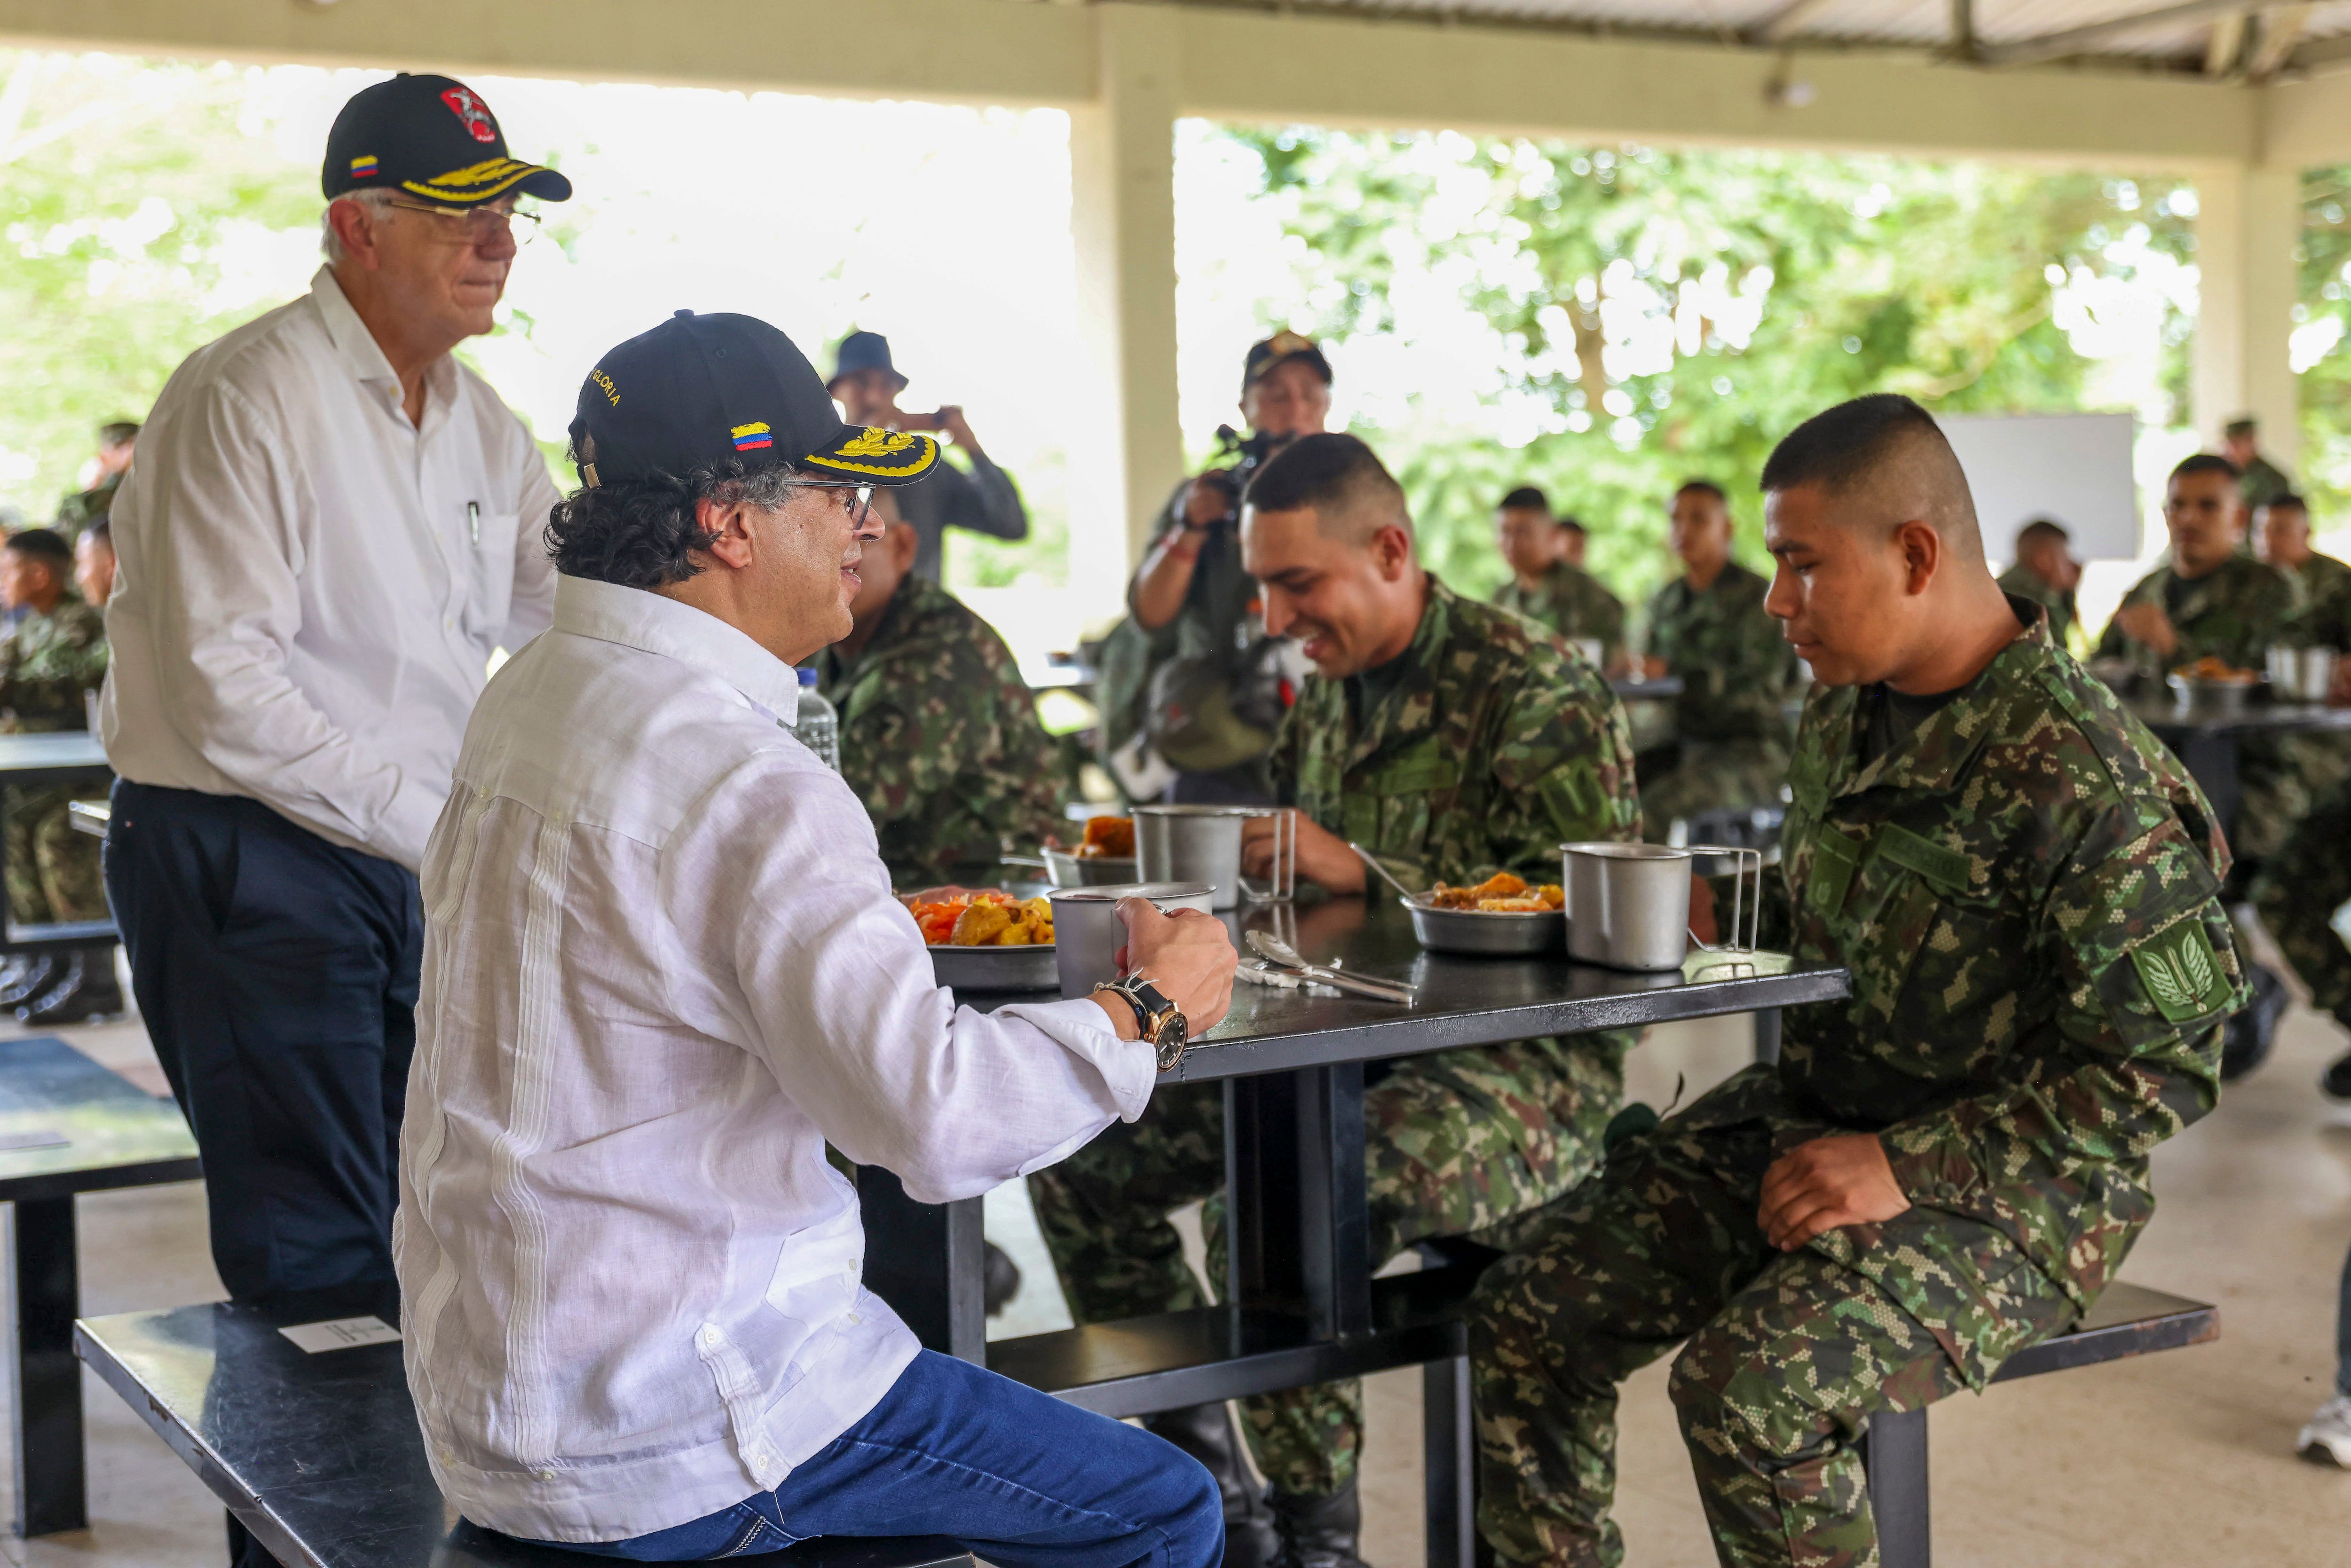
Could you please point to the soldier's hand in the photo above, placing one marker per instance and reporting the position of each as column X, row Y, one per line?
column 1209, row 499
column 2147, row 624
column 1323, row 857
column 949, row 422
column 1184, row 953
column 1827, row 1183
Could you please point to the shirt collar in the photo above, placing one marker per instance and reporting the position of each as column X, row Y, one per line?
column 1939, row 751
column 364, row 357
column 655, row 624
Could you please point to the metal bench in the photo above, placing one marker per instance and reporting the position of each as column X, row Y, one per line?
column 318, row 1454
column 2127, row 1320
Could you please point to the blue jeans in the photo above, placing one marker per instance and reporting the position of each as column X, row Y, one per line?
column 953, row 1449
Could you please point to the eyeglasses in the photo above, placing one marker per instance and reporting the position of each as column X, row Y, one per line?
column 861, row 501
column 482, row 225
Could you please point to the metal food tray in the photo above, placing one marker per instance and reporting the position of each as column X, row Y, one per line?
column 1509, row 933
column 1071, row 870
column 1029, row 968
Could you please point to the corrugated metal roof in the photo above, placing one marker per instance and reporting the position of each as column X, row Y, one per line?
column 1914, row 23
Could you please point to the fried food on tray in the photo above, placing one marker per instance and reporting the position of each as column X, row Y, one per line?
column 1108, row 838
column 1501, row 884
column 2216, row 669
column 986, row 919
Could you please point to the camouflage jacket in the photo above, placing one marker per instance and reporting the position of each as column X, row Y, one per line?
column 2322, row 589
column 2232, row 613
column 1571, row 601
column 1734, row 666
column 1495, row 747
column 2262, row 482
column 47, row 663
column 2025, row 583
column 939, row 738
column 2026, row 893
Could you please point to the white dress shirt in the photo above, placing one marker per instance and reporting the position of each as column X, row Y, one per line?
column 311, row 586
column 663, row 967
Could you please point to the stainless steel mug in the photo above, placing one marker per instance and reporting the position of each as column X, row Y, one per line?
column 1627, row 904
column 1087, row 933
column 1192, row 844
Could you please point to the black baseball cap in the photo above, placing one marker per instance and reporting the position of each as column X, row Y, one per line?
column 1282, row 346
column 433, row 138
column 700, row 390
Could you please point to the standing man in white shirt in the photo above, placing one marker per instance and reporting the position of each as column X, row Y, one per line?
column 331, row 526
column 662, row 969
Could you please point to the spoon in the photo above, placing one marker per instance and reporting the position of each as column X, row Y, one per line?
column 1271, row 947
column 1386, row 875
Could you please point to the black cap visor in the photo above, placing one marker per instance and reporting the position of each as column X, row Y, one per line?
column 872, row 456
column 489, row 180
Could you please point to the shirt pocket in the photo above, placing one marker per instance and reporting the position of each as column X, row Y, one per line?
column 490, row 563
column 1401, row 799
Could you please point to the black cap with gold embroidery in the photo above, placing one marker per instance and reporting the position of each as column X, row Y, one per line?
column 432, row 138
column 698, row 391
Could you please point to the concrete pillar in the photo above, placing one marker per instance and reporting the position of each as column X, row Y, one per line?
column 2248, row 222
column 1128, row 452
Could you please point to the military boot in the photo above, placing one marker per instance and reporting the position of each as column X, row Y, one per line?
column 1206, row 1432
column 86, row 988
column 29, row 975
column 1319, row 1532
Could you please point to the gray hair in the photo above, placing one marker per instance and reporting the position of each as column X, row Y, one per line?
column 378, row 202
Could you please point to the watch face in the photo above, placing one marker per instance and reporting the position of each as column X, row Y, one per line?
column 1173, row 1035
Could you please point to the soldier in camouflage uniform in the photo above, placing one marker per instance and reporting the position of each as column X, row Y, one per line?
column 938, row 733
column 2046, row 573
column 1547, row 586
column 1453, row 741
column 1952, row 1164
column 49, row 661
column 2211, row 601
column 1708, row 628
column 2281, row 540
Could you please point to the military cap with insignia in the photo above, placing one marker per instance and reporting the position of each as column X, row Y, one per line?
column 697, row 392
column 434, row 139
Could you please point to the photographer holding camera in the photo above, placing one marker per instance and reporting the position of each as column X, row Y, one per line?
column 1191, row 675
column 986, row 501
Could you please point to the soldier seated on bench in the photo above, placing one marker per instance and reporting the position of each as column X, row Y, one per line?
column 1951, row 1165
column 662, row 969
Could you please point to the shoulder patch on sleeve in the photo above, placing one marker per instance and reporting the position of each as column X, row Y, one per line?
column 2182, row 973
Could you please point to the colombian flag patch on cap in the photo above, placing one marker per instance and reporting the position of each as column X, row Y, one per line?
column 363, row 166
column 752, row 438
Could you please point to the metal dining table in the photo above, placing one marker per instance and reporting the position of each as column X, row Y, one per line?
column 1301, row 1305
column 2209, row 739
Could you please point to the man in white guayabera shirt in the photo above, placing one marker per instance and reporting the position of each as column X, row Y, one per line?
column 662, row 968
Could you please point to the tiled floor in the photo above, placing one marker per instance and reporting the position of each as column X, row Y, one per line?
column 2178, row 1458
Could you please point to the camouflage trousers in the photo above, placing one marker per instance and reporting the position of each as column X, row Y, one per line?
column 53, row 869
column 1713, row 776
column 1787, row 1355
column 2298, row 892
column 1460, row 1144
column 2280, row 780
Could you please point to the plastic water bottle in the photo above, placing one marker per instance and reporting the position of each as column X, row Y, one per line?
column 818, row 726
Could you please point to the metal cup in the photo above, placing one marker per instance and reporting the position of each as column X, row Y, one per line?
column 2317, row 673
column 1627, row 904
column 1192, row 844
column 1087, row 933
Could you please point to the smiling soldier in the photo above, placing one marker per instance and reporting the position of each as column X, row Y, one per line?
column 1952, row 1164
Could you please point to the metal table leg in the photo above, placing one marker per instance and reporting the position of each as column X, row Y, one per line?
column 2210, row 757
column 44, row 1296
column 1449, row 1460
column 1767, row 1034
column 1294, row 1167
column 927, row 1261
column 1894, row 1455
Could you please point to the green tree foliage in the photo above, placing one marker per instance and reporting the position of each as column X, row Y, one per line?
column 2325, row 386
column 145, row 210
column 1663, row 315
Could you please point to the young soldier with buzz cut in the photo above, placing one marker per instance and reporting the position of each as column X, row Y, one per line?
column 1452, row 740
column 1951, row 1163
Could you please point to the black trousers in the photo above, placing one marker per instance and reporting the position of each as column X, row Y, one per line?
column 276, row 973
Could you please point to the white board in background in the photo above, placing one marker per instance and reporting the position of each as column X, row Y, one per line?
column 2074, row 467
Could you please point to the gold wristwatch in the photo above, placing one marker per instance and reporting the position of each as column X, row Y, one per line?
column 1159, row 1021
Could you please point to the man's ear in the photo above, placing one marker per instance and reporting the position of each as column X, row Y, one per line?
column 904, row 544
column 354, row 224
column 1922, row 554
column 732, row 545
column 1391, row 550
